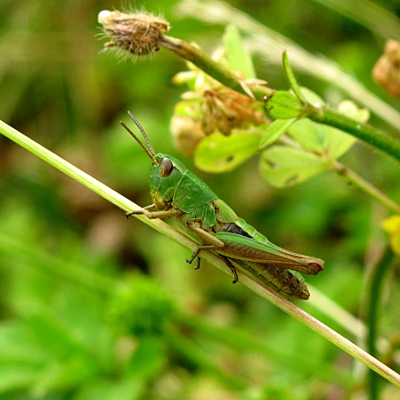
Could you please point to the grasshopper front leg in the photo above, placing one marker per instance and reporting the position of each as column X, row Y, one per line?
column 139, row 212
column 172, row 212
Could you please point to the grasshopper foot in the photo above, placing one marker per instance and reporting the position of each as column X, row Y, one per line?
column 197, row 266
column 194, row 255
column 130, row 213
column 233, row 269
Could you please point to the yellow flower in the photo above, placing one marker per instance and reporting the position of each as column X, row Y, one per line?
column 392, row 226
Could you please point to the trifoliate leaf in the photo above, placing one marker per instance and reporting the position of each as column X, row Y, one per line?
column 283, row 105
column 286, row 166
column 218, row 153
column 274, row 131
column 329, row 142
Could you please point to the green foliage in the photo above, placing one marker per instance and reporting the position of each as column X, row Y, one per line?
column 274, row 131
column 283, row 105
column 140, row 306
column 319, row 147
column 285, row 166
column 219, row 153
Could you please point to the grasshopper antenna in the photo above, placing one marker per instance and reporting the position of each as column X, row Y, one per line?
column 150, row 150
column 146, row 138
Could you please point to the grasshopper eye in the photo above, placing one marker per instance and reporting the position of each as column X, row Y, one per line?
column 166, row 167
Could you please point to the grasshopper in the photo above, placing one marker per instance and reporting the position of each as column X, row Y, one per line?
column 178, row 193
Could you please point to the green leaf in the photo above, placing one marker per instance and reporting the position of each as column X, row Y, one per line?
column 329, row 142
column 309, row 135
column 218, row 153
column 339, row 142
column 274, row 132
column 283, row 105
column 291, row 78
column 286, row 166
column 238, row 57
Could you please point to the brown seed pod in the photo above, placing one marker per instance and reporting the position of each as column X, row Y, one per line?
column 387, row 70
column 136, row 33
column 224, row 109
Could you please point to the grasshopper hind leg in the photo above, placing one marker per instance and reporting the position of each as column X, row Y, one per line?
column 196, row 255
column 232, row 268
column 209, row 247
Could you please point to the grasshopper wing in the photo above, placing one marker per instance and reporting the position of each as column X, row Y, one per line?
column 241, row 247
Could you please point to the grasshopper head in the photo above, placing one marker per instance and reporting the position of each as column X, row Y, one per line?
column 165, row 171
column 165, row 175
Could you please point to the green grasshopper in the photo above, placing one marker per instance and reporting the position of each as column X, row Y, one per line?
column 178, row 193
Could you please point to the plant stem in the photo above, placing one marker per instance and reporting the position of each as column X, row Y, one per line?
column 190, row 53
column 183, row 240
column 364, row 132
column 366, row 187
column 375, row 286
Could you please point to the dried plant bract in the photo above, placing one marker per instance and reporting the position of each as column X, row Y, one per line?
column 224, row 109
column 387, row 70
column 135, row 33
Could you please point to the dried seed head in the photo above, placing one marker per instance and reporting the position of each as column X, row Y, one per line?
column 224, row 109
column 387, row 70
column 136, row 33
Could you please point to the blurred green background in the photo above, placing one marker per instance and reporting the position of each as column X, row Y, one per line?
column 95, row 306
